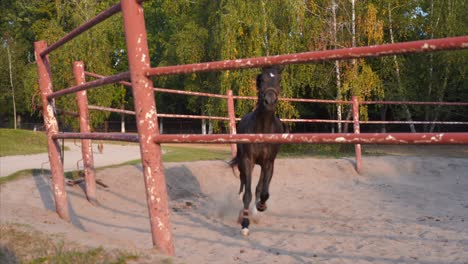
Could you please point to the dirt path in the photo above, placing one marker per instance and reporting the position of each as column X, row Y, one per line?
column 401, row 210
column 112, row 154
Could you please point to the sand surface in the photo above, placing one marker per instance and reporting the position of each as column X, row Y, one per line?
column 400, row 210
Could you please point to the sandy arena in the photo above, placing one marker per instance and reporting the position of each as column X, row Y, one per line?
column 401, row 210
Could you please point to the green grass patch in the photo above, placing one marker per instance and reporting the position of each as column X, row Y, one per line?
column 21, row 244
column 21, row 174
column 21, row 142
column 321, row 150
column 183, row 153
column 105, row 142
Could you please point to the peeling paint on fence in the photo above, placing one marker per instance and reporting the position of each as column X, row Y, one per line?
column 86, row 144
column 320, row 138
column 145, row 109
column 45, row 85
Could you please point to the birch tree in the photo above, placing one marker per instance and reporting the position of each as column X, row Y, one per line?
column 401, row 88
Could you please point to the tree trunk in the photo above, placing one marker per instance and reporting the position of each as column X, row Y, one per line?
column 353, row 61
column 397, row 71
column 428, row 109
column 383, row 117
column 349, row 116
column 210, row 127
column 122, row 123
column 339, row 109
column 266, row 44
column 12, row 86
column 353, row 28
column 203, row 126
column 161, row 125
column 440, row 99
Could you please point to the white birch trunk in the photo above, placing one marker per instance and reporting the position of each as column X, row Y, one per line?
column 12, row 86
column 122, row 123
column 203, row 126
column 339, row 110
column 440, row 99
column 397, row 71
column 210, row 127
column 161, row 126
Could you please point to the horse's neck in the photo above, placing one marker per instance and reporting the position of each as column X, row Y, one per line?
column 264, row 121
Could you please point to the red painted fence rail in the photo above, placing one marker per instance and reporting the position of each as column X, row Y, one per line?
column 312, row 138
column 321, row 138
column 317, row 56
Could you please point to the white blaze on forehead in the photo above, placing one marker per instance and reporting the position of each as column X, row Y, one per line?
column 272, row 75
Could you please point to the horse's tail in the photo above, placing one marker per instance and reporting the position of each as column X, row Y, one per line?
column 233, row 163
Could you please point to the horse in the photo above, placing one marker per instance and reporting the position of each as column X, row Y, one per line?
column 262, row 119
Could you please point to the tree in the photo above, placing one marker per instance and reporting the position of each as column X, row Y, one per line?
column 7, row 46
column 12, row 64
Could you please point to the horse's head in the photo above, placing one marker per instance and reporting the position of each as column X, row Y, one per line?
column 268, row 86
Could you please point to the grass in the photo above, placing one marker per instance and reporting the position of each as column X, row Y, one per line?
column 321, row 150
column 21, row 142
column 22, row 244
column 20, row 174
column 186, row 153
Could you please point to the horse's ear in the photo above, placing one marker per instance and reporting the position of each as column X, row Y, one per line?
column 279, row 68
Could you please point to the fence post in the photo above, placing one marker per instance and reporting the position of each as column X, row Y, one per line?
column 86, row 145
column 147, row 125
column 51, row 125
column 232, row 120
column 357, row 147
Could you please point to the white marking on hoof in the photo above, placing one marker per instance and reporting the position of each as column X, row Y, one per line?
column 245, row 231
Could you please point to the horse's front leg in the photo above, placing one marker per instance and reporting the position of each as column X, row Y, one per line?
column 264, row 182
column 259, row 188
column 246, row 167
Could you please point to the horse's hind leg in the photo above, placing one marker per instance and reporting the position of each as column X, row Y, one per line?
column 242, row 184
column 266, row 175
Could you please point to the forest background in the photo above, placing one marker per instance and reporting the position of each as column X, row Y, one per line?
column 190, row 31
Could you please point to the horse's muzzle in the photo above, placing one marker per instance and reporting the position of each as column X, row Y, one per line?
column 270, row 97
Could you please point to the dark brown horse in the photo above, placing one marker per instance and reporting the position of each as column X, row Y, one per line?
column 262, row 120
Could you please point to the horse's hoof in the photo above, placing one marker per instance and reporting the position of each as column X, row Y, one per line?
column 245, row 231
column 261, row 207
